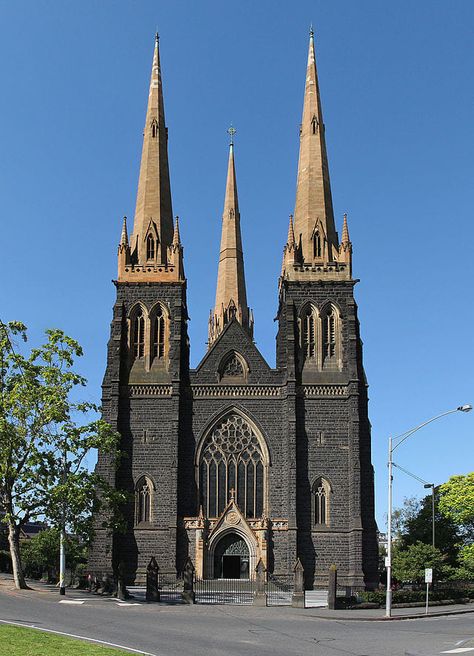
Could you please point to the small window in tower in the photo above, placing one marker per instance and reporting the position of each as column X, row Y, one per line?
column 158, row 334
column 317, row 244
column 154, row 129
column 321, row 502
column 143, row 492
column 314, row 124
column 150, row 248
column 138, row 334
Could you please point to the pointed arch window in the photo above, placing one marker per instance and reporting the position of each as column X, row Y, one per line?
column 308, row 332
column 138, row 334
column 232, row 465
column 320, row 494
column 154, row 128
column 143, row 499
column 158, row 334
column 317, row 249
column 314, row 124
column 331, row 338
column 150, row 248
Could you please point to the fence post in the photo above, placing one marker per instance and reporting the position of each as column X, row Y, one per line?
column 297, row 599
column 188, row 579
column 260, row 598
column 332, row 588
column 152, row 591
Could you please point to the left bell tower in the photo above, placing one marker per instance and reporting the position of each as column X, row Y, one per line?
column 147, row 364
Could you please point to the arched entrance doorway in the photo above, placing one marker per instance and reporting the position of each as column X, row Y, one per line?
column 231, row 558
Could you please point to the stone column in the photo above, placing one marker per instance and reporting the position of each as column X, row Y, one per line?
column 297, row 599
column 332, row 589
column 260, row 598
column 152, row 590
column 188, row 589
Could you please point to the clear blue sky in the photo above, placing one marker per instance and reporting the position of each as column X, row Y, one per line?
column 397, row 91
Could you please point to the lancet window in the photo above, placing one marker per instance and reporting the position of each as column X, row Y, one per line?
column 317, row 244
column 331, row 338
column 143, row 495
column 321, row 491
column 232, row 465
column 308, row 332
column 158, row 334
column 150, row 248
column 138, row 334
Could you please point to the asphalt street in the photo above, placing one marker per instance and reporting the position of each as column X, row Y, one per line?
column 199, row 630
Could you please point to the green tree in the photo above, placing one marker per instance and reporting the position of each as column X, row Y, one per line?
column 401, row 516
column 43, row 444
column 409, row 564
column 419, row 528
column 457, row 503
column 40, row 553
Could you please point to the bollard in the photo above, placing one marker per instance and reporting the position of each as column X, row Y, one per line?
column 188, row 578
column 152, row 590
column 260, row 598
column 297, row 599
column 332, row 587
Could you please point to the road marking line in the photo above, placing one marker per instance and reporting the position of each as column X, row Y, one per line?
column 72, row 635
column 459, row 650
column 70, row 601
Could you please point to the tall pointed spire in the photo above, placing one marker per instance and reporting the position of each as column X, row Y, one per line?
column 153, row 213
column 231, row 294
column 316, row 253
column 313, row 207
column 124, row 235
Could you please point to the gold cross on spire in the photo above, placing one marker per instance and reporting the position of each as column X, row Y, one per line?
column 231, row 131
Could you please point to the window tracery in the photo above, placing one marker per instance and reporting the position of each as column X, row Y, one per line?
column 317, row 244
column 232, row 466
column 308, row 332
column 150, row 248
column 158, row 334
column 138, row 334
column 143, row 493
column 320, row 504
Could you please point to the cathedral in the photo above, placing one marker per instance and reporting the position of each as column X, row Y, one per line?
column 235, row 462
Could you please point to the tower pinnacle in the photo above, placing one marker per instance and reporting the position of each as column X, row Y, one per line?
column 231, row 295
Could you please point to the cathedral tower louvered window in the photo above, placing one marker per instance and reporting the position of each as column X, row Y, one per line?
column 308, row 332
column 158, row 334
column 137, row 325
column 150, row 248
column 321, row 492
column 331, row 339
column 232, row 464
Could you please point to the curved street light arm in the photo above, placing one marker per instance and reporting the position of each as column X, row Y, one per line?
column 406, row 435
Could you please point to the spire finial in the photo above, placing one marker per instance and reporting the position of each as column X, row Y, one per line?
column 345, row 231
column 311, row 31
column 176, row 235
column 231, row 132
column 157, row 37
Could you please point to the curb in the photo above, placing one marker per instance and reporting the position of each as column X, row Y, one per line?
column 396, row 617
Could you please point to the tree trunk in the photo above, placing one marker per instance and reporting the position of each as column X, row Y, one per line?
column 14, row 541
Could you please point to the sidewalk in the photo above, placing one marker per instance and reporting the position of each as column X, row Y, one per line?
column 378, row 614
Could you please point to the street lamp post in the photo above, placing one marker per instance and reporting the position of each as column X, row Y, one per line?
column 393, row 443
column 427, row 486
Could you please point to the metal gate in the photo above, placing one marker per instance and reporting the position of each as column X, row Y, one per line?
column 170, row 588
column 224, row 591
column 279, row 589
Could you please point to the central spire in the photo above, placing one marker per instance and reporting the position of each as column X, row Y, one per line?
column 231, row 295
column 153, row 212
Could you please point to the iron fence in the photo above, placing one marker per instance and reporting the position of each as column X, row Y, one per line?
column 170, row 588
column 279, row 589
column 224, row 591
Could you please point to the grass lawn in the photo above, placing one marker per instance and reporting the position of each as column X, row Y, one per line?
column 17, row 641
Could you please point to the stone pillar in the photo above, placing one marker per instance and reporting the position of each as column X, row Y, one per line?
column 188, row 589
column 260, row 598
column 332, row 589
column 122, row 592
column 152, row 590
column 297, row 599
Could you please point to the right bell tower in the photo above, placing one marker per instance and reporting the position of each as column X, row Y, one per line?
column 320, row 352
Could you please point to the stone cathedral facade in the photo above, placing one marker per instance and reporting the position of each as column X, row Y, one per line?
column 235, row 462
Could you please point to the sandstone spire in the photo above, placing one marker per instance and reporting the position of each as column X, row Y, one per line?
column 316, row 253
column 231, row 295
column 313, row 207
column 153, row 212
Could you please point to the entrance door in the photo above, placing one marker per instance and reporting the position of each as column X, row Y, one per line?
column 231, row 558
